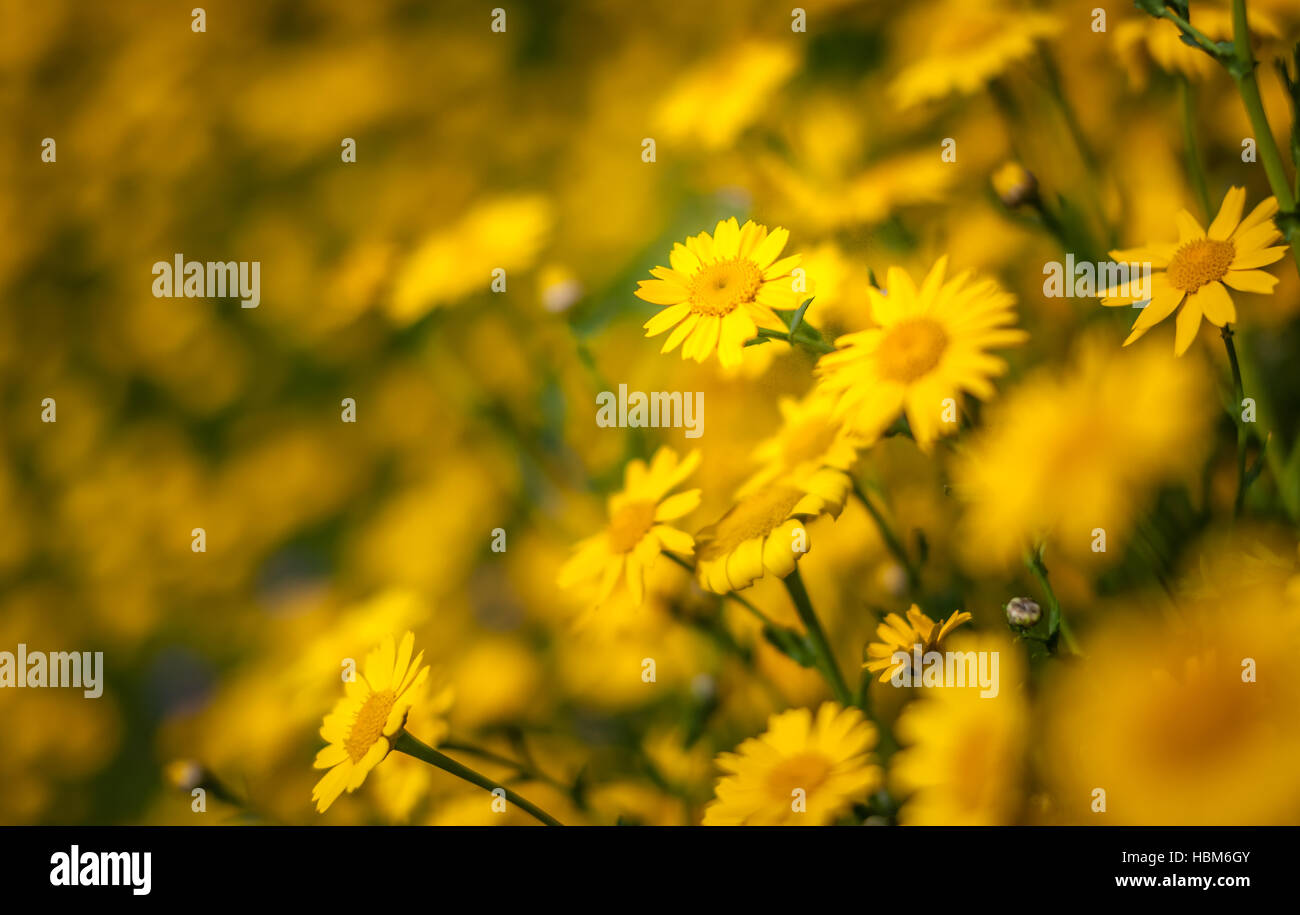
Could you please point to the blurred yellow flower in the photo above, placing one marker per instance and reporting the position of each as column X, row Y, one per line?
column 930, row 346
column 1184, row 721
column 1193, row 271
column 360, row 728
column 803, row 771
column 506, row 233
column 721, row 289
column 765, row 530
column 810, row 438
column 636, row 534
column 718, row 98
column 966, row 45
column 899, row 634
column 964, row 756
column 1072, row 457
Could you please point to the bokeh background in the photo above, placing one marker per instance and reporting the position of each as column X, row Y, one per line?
column 475, row 410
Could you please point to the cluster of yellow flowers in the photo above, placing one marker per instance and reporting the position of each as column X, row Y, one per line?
column 1069, row 464
column 372, row 519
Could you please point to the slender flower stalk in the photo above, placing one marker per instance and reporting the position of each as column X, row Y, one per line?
column 824, row 657
column 1243, row 73
column 1240, row 395
column 524, row 769
column 1192, row 150
column 411, row 746
column 1056, row 622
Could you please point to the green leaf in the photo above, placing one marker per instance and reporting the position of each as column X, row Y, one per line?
column 797, row 319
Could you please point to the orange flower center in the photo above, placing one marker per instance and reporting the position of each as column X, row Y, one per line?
column 1199, row 262
column 910, row 349
column 369, row 725
column 718, row 288
column 629, row 524
column 806, row 770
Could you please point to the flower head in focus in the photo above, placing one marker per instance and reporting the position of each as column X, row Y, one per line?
column 898, row 634
column 363, row 725
column 1196, row 271
column 721, row 288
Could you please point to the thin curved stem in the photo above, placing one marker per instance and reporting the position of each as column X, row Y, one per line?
column 1056, row 620
column 412, row 746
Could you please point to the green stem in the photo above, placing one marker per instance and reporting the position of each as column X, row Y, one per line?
column 817, row 638
column 411, row 746
column 1243, row 73
column 524, row 769
column 1190, row 148
column 1240, row 393
column 1056, row 622
column 1057, row 90
column 892, row 543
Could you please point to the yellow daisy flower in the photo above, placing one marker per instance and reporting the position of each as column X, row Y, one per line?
column 1194, row 271
column 765, row 531
column 810, row 438
column 636, row 534
column 803, row 771
column 721, row 289
column 930, row 346
column 898, row 634
column 361, row 728
column 1084, row 448
column 964, row 46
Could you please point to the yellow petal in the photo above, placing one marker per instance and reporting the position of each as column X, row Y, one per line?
column 676, row 506
column 1215, row 303
column 767, row 253
column 1229, row 214
column 1188, row 323
column 660, row 292
column 1251, row 281
column 679, row 333
column 683, row 259
column 666, row 319
column 1188, row 228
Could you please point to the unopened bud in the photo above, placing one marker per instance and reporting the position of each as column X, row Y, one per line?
column 1015, row 185
column 1021, row 611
